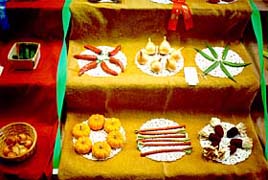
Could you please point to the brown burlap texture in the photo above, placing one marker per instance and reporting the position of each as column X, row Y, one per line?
column 130, row 24
column 134, row 89
column 129, row 165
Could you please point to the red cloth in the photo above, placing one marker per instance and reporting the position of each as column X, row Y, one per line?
column 44, row 4
column 36, row 19
column 30, row 96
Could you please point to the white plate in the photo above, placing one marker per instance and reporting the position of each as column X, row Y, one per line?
column 232, row 56
column 164, row 72
column 101, row 135
column 98, row 72
column 170, row 156
column 240, row 154
column 162, row 1
column 224, row 2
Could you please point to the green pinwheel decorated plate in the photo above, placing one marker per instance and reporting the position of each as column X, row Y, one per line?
column 220, row 62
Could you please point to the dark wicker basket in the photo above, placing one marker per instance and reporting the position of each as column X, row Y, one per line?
column 15, row 129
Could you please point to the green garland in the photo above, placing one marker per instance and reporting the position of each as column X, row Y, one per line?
column 257, row 26
column 61, row 80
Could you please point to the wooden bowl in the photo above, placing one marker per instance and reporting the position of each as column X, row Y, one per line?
column 14, row 131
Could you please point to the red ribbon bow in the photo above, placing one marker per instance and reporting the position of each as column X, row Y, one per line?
column 179, row 6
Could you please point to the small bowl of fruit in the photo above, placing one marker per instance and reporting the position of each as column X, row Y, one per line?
column 17, row 141
column 24, row 55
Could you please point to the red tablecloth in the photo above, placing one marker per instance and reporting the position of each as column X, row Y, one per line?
column 30, row 96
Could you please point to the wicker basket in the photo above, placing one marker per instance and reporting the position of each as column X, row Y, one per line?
column 14, row 129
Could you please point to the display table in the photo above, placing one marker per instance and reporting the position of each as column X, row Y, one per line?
column 30, row 96
column 128, row 163
column 130, row 19
column 136, row 90
column 130, row 25
column 135, row 97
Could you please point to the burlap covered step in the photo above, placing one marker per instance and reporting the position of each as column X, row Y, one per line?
column 129, row 165
column 131, row 24
column 133, row 89
column 131, row 19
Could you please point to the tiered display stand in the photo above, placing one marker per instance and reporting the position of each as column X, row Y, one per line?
column 133, row 96
column 30, row 96
column 136, row 97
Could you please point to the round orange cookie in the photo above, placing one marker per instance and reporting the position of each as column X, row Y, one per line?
column 80, row 129
column 83, row 145
column 115, row 139
column 96, row 122
column 101, row 150
column 112, row 124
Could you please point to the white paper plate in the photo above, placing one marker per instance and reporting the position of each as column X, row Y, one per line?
column 240, row 154
column 164, row 72
column 98, row 72
column 162, row 1
column 224, row 2
column 232, row 56
column 170, row 156
column 101, row 135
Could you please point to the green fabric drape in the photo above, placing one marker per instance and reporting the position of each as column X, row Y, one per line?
column 257, row 26
column 61, row 79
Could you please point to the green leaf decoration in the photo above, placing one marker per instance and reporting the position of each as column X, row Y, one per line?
column 225, row 52
column 232, row 64
column 211, row 67
column 226, row 72
column 212, row 51
column 205, row 55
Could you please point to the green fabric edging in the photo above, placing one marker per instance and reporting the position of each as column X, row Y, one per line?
column 257, row 26
column 61, row 80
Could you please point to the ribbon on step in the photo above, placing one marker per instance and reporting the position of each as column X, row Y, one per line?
column 257, row 27
column 61, row 80
column 180, row 7
column 3, row 16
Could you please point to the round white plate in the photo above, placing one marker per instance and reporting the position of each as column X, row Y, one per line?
column 163, row 1
column 164, row 72
column 224, row 2
column 101, row 135
column 240, row 154
column 98, row 72
column 232, row 56
column 170, row 156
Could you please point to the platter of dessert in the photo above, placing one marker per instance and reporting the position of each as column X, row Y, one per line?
column 98, row 138
column 224, row 142
column 163, row 140
column 162, row 60
column 101, row 61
